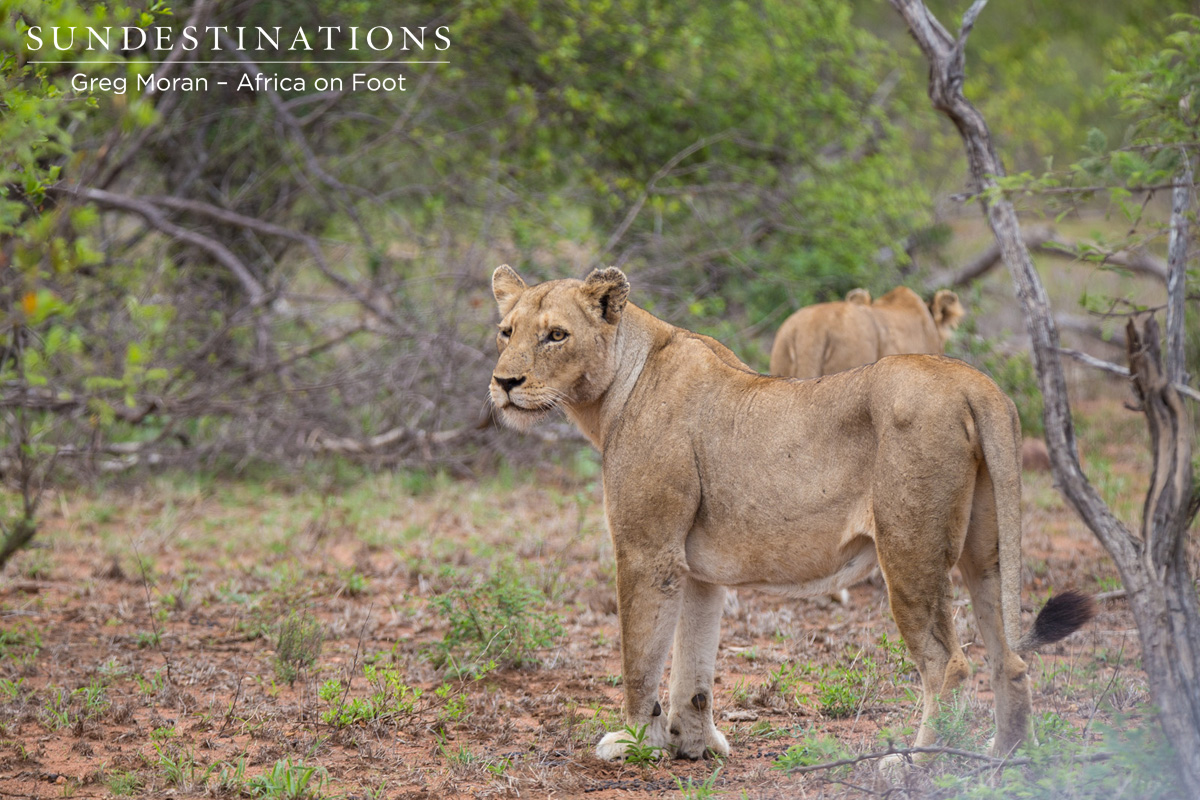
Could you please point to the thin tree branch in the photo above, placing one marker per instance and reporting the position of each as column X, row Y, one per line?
column 296, row 134
column 155, row 218
column 908, row 752
column 197, row 19
column 272, row 229
column 1123, row 372
column 1177, row 258
column 662, row 172
column 1046, row 240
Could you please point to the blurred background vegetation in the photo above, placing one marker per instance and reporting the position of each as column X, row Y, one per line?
column 226, row 278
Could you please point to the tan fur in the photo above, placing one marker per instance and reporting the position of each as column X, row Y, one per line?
column 716, row 476
column 833, row 337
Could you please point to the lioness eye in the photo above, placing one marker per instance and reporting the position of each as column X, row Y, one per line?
column 557, row 335
column 506, row 332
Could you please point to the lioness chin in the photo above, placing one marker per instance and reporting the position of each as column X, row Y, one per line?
column 716, row 476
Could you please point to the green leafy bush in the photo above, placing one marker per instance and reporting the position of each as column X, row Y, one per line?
column 502, row 621
column 389, row 698
column 298, row 646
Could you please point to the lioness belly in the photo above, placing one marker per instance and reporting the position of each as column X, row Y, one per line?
column 802, row 563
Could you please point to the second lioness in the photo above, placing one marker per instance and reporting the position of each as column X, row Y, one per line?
column 716, row 476
column 831, row 337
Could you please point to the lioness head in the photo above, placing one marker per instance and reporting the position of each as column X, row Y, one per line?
column 555, row 342
column 947, row 312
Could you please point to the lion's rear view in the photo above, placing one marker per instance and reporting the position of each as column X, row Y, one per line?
column 990, row 563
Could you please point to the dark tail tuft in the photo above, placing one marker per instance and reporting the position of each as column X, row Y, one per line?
column 1062, row 615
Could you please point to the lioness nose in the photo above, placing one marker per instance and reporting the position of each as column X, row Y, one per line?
column 508, row 384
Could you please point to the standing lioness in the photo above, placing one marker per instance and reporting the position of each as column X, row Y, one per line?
column 716, row 476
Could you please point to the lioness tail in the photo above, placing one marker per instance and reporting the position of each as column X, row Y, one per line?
column 1062, row 615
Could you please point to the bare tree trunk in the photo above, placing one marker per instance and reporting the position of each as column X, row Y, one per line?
column 1153, row 567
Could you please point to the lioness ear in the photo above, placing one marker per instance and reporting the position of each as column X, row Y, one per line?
column 945, row 309
column 859, row 296
column 507, row 286
column 607, row 290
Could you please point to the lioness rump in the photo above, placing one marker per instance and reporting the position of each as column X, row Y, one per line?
column 716, row 476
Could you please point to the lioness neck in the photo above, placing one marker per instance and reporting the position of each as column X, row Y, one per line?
column 639, row 333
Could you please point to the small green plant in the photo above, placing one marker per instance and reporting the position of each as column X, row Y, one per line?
column 301, row 637
column 896, row 655
column 56, row 712
column 740, row 693
column 702, row 791
column 151, row 684
column 354, row 583
column 147, row 639
column 288, row 781
column 788, row 680
column 1130, row 760
column 9, row 689
column 499, row 767
column 957, row 726
column 125, row 783
column 461, row 756
column 179, row 767
column 232, row 777
column 639, row 752
column 502, row 621
column 95, row 699
column 813, row 749
column 20, row 645
column 1051, row 727
column 764, row 729
column 37, row 566
column 389, row 699
column 840, row 691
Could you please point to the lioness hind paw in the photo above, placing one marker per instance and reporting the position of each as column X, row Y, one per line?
column 892, row 769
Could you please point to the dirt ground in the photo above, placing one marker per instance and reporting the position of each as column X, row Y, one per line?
column 142, row 649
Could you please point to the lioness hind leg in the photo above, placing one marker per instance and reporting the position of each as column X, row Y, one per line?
column 917, row 549
column 980, row 567
column 690, row 722
column 923, row 614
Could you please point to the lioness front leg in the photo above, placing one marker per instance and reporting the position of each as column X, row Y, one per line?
column 648, row 601
column 691, row 716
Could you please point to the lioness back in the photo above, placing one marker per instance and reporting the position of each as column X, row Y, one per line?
column 832, row 337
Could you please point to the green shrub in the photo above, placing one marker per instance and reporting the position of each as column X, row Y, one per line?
column 389, row 699
column 813, row 749
column 502, row 621
column 298, row 646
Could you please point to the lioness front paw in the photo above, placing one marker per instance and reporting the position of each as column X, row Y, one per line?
column 700, row 745
column 636, row 744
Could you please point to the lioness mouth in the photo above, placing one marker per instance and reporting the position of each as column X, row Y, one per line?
column 539, row 409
